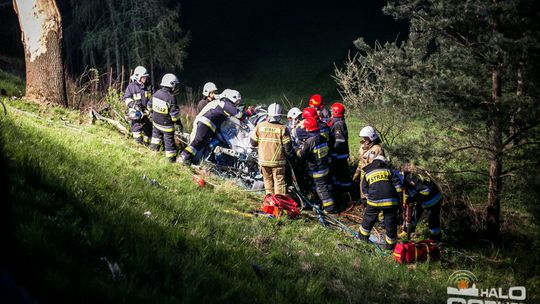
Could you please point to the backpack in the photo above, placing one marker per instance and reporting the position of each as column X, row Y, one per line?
column 410, row 252
column 276, row 204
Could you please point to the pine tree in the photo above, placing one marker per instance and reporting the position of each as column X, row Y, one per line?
column 477, row 59
column 129, row 33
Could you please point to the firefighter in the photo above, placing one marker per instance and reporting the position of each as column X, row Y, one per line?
column 293, row 118
column 369, row 149
column 422, row 193
column 315, row 101
column 315, row 151
column 209, row 120
column 323, row 126
column 165, row 115
column 209, row 94
column 274, row 144
column 340, row 149
column 382, row 187
column 136, row 97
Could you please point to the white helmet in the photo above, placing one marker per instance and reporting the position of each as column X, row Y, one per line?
column 232, row 95
column 369, row 132
column 274, row 112
column 380, row 157
column 139, row 72
column 208, row 88
column 169, row 80
column 294, row 113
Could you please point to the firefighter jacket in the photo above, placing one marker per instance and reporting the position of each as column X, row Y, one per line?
column 315, row 151
column 300, row 134
column 165, row 111
column 324, row 130
column 366, row 155
column 216, row 113
column 340, row 138
column 421, row 189
column 137, row 95
column 381, row 185
column 274, row 143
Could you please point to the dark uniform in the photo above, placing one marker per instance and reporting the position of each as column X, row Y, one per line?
column 340, row 154
column 202, row 103
column 427, row 196
column 136, row 98
column 165, row 114
column 382, row 187
column 207, row 125
column 315, row 151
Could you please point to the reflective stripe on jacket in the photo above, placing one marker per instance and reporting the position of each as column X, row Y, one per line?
column 381, row 185
column 274, row 143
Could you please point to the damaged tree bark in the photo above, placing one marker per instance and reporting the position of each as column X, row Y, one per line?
column 41, row 35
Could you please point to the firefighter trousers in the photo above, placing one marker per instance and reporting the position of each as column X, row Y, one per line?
column 141, row 129
column 323, row 189
column 371, row 215
column 167, row 138
column 274, row 180
column 202, row 136
column 433, row 215
column 341, row 176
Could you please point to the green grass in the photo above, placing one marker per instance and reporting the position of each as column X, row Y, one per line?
column 77, row 195
column 13, row 85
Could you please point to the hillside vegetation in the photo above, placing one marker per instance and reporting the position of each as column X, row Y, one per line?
column 82, row 196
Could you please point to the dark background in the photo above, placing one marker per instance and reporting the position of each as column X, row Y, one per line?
column 266, row 49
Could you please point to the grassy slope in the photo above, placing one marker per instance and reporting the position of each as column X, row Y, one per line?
column 79, row 197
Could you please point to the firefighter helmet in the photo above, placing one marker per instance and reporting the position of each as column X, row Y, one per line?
column 311, row 124
column 139, row 72
column 294, row 113
column 232, row 95
column 274, row 112
column 169, row 80
column 309, row 112
column 208, row 88
column 315, row 101
column 337, row 109
column 369, row 132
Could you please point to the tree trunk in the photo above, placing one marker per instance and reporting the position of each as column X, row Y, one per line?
column 41, row 35
column 495, row 160
column 113, row 18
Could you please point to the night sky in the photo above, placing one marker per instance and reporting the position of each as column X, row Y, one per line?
column 265, row 48
column 269, row 48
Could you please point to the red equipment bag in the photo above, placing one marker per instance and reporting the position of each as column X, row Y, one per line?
column 410, row 252
column 276, row 204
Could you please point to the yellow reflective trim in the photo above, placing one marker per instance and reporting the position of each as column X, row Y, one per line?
column 269, row 163
column 170, row 153
column 163, row 128
column 208, row 123
column 271, row 140
column 378, row 176
column 328, row 204
column 160, row 106
column 270, row 130
column 319, row 175
column 383, row 204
